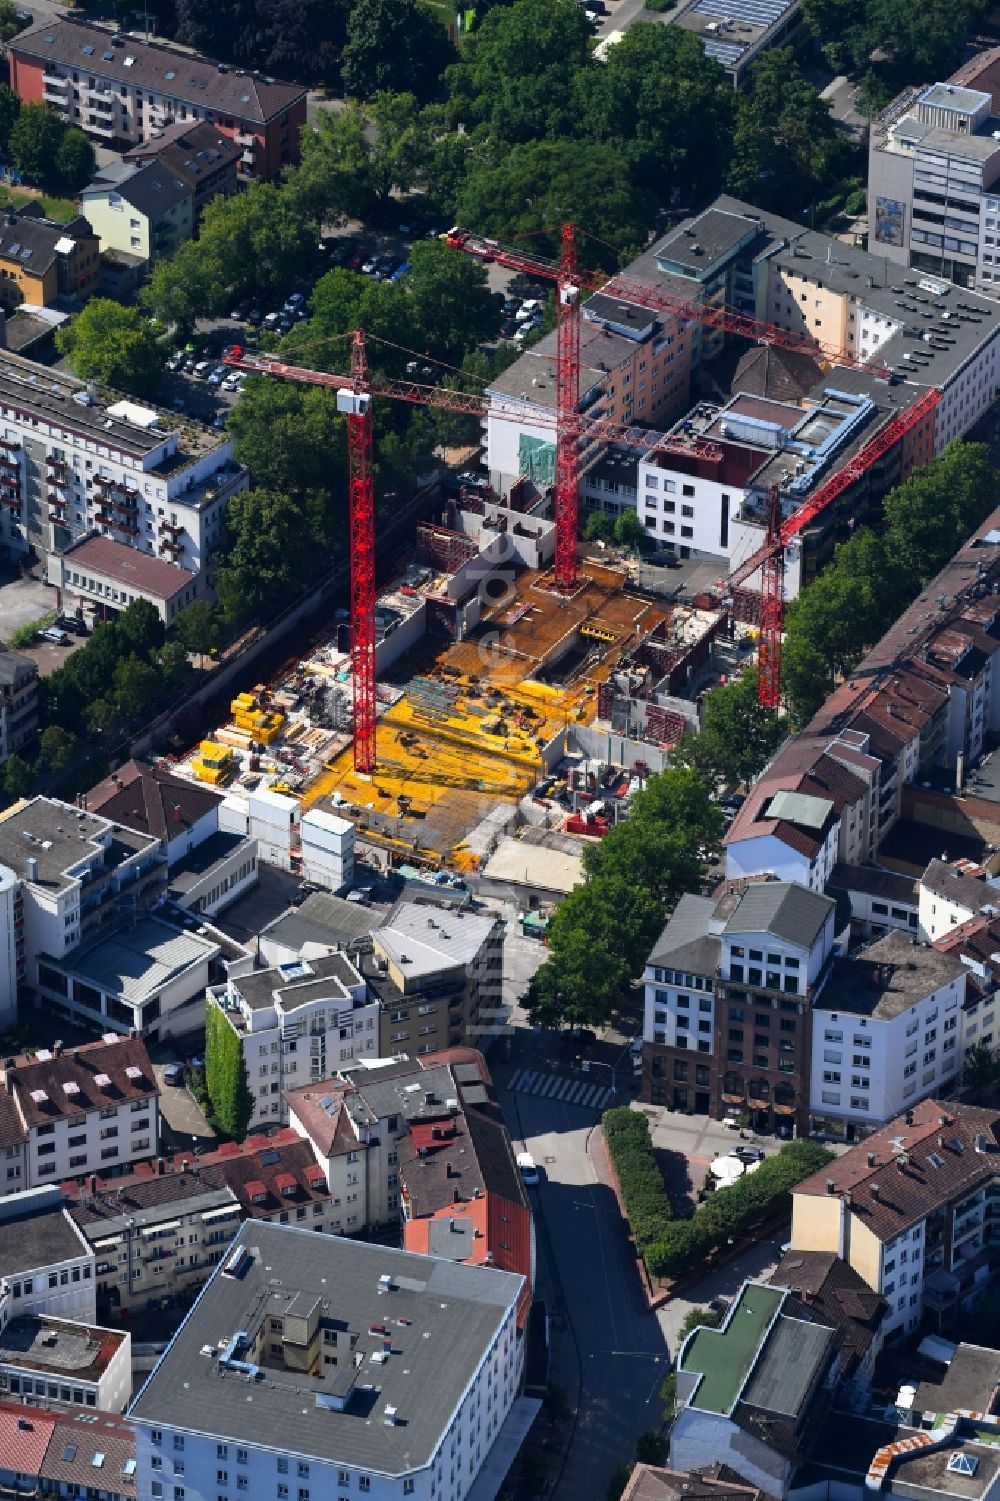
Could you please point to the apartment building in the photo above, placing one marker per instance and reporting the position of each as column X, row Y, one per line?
column 733, row 254
column 915, row 722
column 46, row 1264
column 438, row 976
column 43, row 262
column 422, row 1139
column 92, row 1108
column 880, row 901
column 730, row 989
column 18, row 702
column 202, row 154
column 384, row 1372
column 887, row 1031
column 76, row 464
column 296, row 1024
column 148, row 204
column 160, row 1231
column 911, row 1210
column 64, row 1452
column 122, row 90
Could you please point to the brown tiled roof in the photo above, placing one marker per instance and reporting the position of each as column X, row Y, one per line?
column 150, row 799
column 12, row 1132
column 192, row 151
column 196, row 80
column 649, row 1483
column 24, row 1437
column 265, row 1160
column 109, row 1435
column 956, row 882
column 962, row 1140
column 329, row 1126
column 129, row 566
column 81, row 1066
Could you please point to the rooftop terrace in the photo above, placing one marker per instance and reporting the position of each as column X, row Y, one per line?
column 724, row 1357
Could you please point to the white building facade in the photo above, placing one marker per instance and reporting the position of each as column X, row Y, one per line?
column 297, row 1024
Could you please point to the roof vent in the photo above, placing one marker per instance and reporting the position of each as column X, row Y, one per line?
column 390, row 1416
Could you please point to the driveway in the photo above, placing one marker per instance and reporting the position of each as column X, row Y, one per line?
column 22, row 600
column 183, row 1124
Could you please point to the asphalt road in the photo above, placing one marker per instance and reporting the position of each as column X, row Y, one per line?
column 604, row 1336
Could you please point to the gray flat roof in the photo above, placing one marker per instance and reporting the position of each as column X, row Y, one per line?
column 61, row 836
column 422, row 940
column 281, row 985
column 785, row 1374
column 442, row 1315
column 394, row 1090
column 137, row 961
column 195, row 865
column 699, row 242
column 887, row 977
column 324, row 918
column 142, row 1216
column 38, row 1238
column 953, row 96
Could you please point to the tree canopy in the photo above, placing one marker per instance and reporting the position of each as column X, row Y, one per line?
column 873, row 577
column 115, row 345
column 899, row 41
column 393, row 44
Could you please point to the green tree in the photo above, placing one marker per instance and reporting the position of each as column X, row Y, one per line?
column 538, row 184
column 785, row 144
column 174, row 663
column 75, row 161
column 226, row 1075
column 299, row 39
column 629, row 531
column 18, row 777
column 343, row 301
column 55, row 749
column 183, row 287
column 258, row 240
column 355, row 158
column 136, row 685
column 290, row 437
column 10, row 108
column 665, row 107
column 393, row 45
column 580, row 985
column 451, row 300
column 10, row 20
column 35, row 139
column 140, row 630
column 651, row 1447
column 908, row 42
column 982, row 1068
column 270, row 555
column 516, row 79
column 739, row 736
column 697, row 1318
column 115, row 345
column 197, row 626
column 600, row 527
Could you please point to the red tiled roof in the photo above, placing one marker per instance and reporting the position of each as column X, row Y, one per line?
column 431, row 1136
column 24, row 1437
column 151, row 800
column 80, row 1067
column 255, row 1188
column 285, row 1181
column 267, row 1166
column 128, row 566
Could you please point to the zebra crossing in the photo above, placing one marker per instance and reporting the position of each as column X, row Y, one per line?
column 555, row 1087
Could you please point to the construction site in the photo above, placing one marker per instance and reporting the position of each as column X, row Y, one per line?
column 500, row 700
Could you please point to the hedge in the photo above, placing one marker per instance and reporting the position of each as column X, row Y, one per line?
column 670, row 1247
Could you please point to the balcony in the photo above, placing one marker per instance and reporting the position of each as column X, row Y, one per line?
column 172, row 527
column 242, row 139
column 97, row 126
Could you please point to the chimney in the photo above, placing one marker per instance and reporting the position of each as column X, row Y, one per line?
column 875, row 1192
column 93, row 1183
column 903, row 1161
column 871, row 1159
column 960, row 772
column 456, row 1196
column 830, row 1186
column 161, row 1167
column 31, row 869
column 981, row 1143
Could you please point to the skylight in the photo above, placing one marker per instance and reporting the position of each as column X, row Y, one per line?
column 963, row 1464
column 98, row 1459
column 88, row 51
column 69, row 1453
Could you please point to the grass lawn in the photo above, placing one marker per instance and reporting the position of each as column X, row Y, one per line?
column 446, row 10
column 59, row 209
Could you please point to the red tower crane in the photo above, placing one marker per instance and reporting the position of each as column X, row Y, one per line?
column 770, row 558
column 354, row 398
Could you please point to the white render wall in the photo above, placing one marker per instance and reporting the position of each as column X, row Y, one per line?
column 89, row 1147
column 868, row 1070
column 9, row 890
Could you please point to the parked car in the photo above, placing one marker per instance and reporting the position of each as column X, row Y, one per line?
column 400, row 271
column 255, row 316
column 295, row 301
column 201, row 369
column 356, row 261
column 370, row 266
column 272, row 320
column 176, row 360
column 218, row 375
column 55, row 635
column 528, row 1170
column 173, row 1073
column 239, row 313
column 528, row 309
